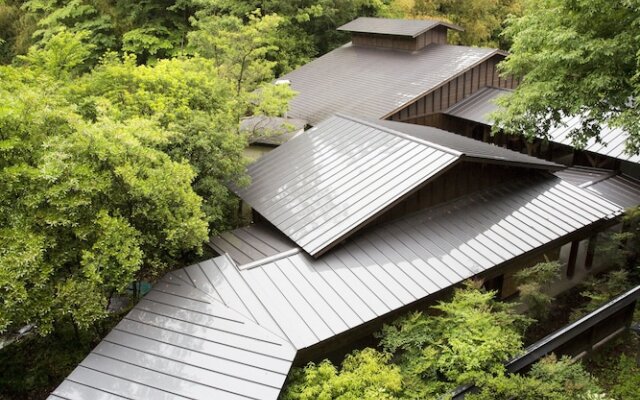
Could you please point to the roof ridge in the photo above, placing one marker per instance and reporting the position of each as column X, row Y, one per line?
column 402, row 135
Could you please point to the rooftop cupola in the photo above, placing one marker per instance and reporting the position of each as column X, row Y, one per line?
column 401, row 34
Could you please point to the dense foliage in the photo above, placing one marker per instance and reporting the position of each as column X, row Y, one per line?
column 426, row 356
column 578, row 58
column 482, row 20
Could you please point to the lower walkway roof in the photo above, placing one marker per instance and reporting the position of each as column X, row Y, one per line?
column 214, row 331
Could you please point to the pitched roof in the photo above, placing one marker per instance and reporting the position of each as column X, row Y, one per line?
column 613, row 140
column 327, row 183
column 213, row 331
column 395, row 27
column 373, row 82
column 182, row 342
column 251, row 243
column 617, row 188
column 478, row 106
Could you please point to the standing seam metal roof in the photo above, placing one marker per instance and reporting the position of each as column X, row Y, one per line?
column 617, row 188
column 478, row 106
column 239, row 340
column 395, row 27
column 372, row 82
column 328, row 182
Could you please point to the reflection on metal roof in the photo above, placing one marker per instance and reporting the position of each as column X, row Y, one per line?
column 271, row 130
column 181, row 343
column 327, row 183
column 619, row 189
column 213, row 331
column 372, row 82
column 478, row 106
column 395, row 27
column 613, row 140
column 251, row 243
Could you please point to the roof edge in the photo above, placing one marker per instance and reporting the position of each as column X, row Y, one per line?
column 437, row 23
column 402, row 135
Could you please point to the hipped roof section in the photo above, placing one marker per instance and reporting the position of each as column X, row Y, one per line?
column 394, row 27
column 374, row 82
column 327, row 183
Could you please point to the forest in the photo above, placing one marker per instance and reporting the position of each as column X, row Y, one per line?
column 119, row 138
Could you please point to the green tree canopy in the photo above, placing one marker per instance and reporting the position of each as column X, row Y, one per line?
column 577, row 58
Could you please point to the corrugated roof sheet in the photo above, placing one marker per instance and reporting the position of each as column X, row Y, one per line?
column 372, row 82
column 612, row 145
column 478, row 106
column 396, row 27
column 619, row 189
column 178, row 343
column 251, row 243
column 325, row 184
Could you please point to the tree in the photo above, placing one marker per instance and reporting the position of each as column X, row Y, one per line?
column 483, row 20
column 577, row 58
column 533, row 283
column 85, row 207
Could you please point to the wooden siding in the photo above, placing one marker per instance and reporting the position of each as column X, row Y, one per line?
column 456, row 89
column 460, row 180
column 436, row 35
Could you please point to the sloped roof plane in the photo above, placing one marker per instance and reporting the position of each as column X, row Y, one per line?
column 617, row 188
column 374, row 83
column 212, row 330
column 327, row 183
column 395, row 27
column 478, row 106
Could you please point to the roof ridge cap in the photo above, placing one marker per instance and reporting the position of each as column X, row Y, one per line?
column 402, row 135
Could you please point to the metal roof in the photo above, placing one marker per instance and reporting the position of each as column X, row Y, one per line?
column 617, row 188
column 328, row 182
column 395, row 27
column 478, row 106
column 182, row 343
column 251, row 243
column 239, row 338
column 373, row 82
column 613, row 140
column 271, row 130
column 471, row 148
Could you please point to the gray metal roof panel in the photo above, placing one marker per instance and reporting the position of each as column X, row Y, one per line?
column 468, row 147
column 392, row 265
column 619, row 189
column 179, row 342
column 251, row 243
column 613, row 140
column 395, row 27
column 478, row 106
column 326, row 183
column 372, row 82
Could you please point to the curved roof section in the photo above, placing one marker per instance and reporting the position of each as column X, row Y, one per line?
column 395, row 27
column 327, row 183
column 373, row 82
column 213, row 331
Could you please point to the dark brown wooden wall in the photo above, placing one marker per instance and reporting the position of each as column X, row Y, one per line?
column 455, row 90
column 436, row 35
column 462, row 179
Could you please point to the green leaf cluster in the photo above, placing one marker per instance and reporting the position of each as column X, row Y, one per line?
column 575, row 58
